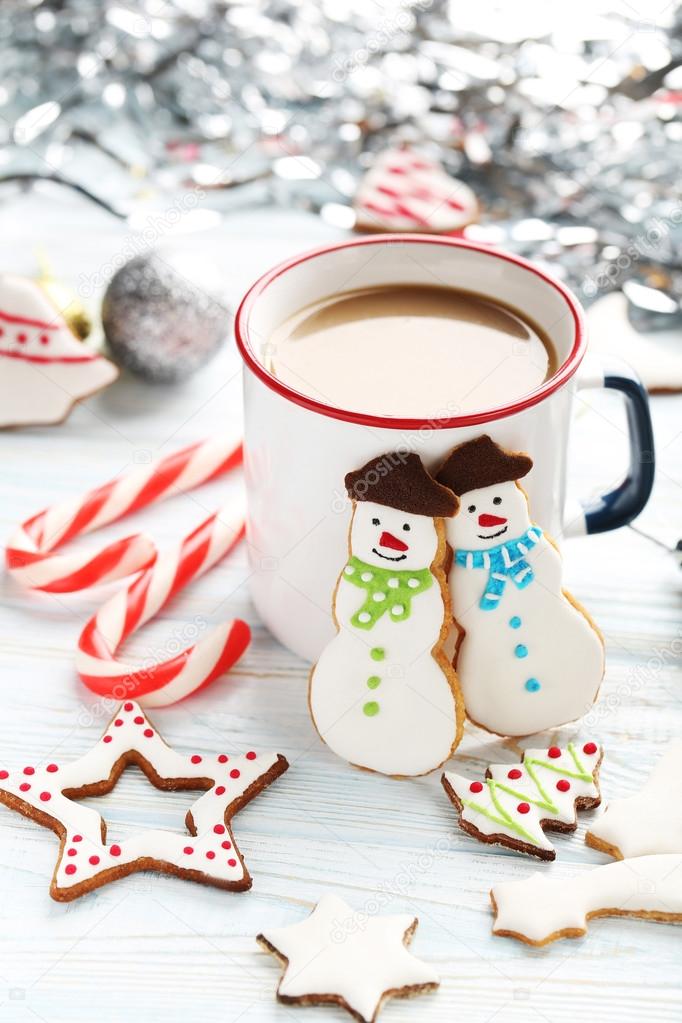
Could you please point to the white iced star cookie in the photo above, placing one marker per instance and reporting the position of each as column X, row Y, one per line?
column 539, row 910
column 515, row 804
column 209, row 855
column 340, row 957
column 651, row 820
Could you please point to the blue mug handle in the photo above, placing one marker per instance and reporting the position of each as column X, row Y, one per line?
column 621, row 505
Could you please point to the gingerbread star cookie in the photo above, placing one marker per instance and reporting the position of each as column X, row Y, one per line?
column 48, row 795
column 337, row 957
column 651, row 820
column 515, row 804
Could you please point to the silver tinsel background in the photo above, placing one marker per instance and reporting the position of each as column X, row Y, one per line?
column 566, row 122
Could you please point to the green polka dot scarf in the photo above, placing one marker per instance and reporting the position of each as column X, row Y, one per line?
column 388, row 590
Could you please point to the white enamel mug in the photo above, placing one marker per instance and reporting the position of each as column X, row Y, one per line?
column 298, row 450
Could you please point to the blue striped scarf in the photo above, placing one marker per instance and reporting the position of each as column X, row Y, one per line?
column 504, row 562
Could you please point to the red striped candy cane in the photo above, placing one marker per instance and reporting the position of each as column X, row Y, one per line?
column 129, row 609
column 30, row 558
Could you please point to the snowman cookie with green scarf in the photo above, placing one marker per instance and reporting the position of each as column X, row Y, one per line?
column 383, row 695
column 531, row 658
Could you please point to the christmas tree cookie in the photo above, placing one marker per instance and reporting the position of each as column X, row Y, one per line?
column 514, row 806
column 531, row 658
column 383, row 695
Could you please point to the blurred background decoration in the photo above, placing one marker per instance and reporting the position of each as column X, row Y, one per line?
column 563, row 119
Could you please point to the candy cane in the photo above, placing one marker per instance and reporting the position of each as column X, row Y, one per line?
column 31, row 561
column 29, row 556
column 129, row 609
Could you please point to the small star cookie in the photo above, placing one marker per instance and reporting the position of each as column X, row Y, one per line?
column 343, row 958
column 210, row 856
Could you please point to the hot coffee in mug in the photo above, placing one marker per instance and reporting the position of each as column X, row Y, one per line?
column 406, row 343
column 411, row 350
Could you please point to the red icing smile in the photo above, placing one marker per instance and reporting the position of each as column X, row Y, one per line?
column 389, row 540
column 490, row 520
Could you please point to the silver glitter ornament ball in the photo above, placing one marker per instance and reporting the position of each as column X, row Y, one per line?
column 163, row 316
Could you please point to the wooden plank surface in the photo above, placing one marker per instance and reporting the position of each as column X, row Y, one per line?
column 151, row 947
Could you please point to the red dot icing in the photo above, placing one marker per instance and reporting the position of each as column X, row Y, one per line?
column 29, row 770
column 250, row 755
column 476, row 786
column 563, row 785
column 232, row 863
column 94, row 860
column 4, row 774
column 115, row 850
column 188, row 850
column 139, row 720
column 70, row 868
column 24, row 787
column 118, row 722
column 22, row 338
column 77, row 838
column 44, row 339
column 553, row 752
column 220, row 790
column 196, row 759
column 219, row 829
column 226, row 845
column 210, row 855
column 72, row 852
column 523, row 807
column 590, row 748
column 234, row 773
column 128, row 706
column 514, row 773
column 51, row 768
column 45, row 796
column 223, row 758
column 107, row 738
column 148, row 733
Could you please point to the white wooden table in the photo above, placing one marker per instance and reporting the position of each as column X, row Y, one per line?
column 151, row 946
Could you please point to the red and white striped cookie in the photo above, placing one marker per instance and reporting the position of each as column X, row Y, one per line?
column 44, row 368
column 406, row 191
column 194, row 668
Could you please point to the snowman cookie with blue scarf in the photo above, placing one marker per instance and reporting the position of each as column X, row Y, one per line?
column 531, row 658
column 383, row 694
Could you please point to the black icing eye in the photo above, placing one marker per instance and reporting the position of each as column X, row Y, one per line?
column 375, row 522
column 497, row 500
column 471, row 508
column 406, row 527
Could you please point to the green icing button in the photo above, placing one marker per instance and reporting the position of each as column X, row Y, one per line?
column 371, row 708
column 377, row 653
column 373, row 681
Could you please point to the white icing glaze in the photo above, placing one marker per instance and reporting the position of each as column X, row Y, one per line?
column 44, row 368
column 336, row 951
column 83, row 855
column 538, row 909
column 415, row 726
column 537, row 785
column 651, row 820
column 564, row 652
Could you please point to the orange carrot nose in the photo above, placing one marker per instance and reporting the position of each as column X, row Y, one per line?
column 490, row 520
column 389, row 540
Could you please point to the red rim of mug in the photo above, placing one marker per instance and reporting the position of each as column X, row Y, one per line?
column 562, row 375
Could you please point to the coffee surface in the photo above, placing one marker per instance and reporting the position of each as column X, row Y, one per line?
column 410, row 351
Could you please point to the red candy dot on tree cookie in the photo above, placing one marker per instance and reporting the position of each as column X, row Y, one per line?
column 250, row 755
column 118, row 722
column 563, row 785
column 52, row 768
column 4, row 774
column 94, row 860
column 523, row 807
column 188, row 850
column 139, row 720
column 219, row 829
column 232, row 863
column 223, row 758
column 590, row 748
column 70, row 868
column 553, row 752
column 196, row 759
column 107, row 738
column 77, row 838
column 45, row 796
column 72, row 852
column 226, row 845
column 476, row 786
column 148, row 733
column 234, row 773
column 29, row 770
column 115, row 850
column 220, row 790
column 128, row 706
column 24, row 787
column 210, row 855
column 514, row 773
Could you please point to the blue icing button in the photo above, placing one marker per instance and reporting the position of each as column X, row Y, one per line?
column 515, row 622
column 532, row 685
column 521, row 650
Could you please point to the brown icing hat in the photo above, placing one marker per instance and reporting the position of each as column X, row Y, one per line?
column 481, row 463
column 399, row 480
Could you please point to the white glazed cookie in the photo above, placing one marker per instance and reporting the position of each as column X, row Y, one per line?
column 48, row 795
column 348, row 959
column 539, row 910
column 516, row 803
column 531, row 658
column 44, row 368
column 651, row 820
column 382, row 695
